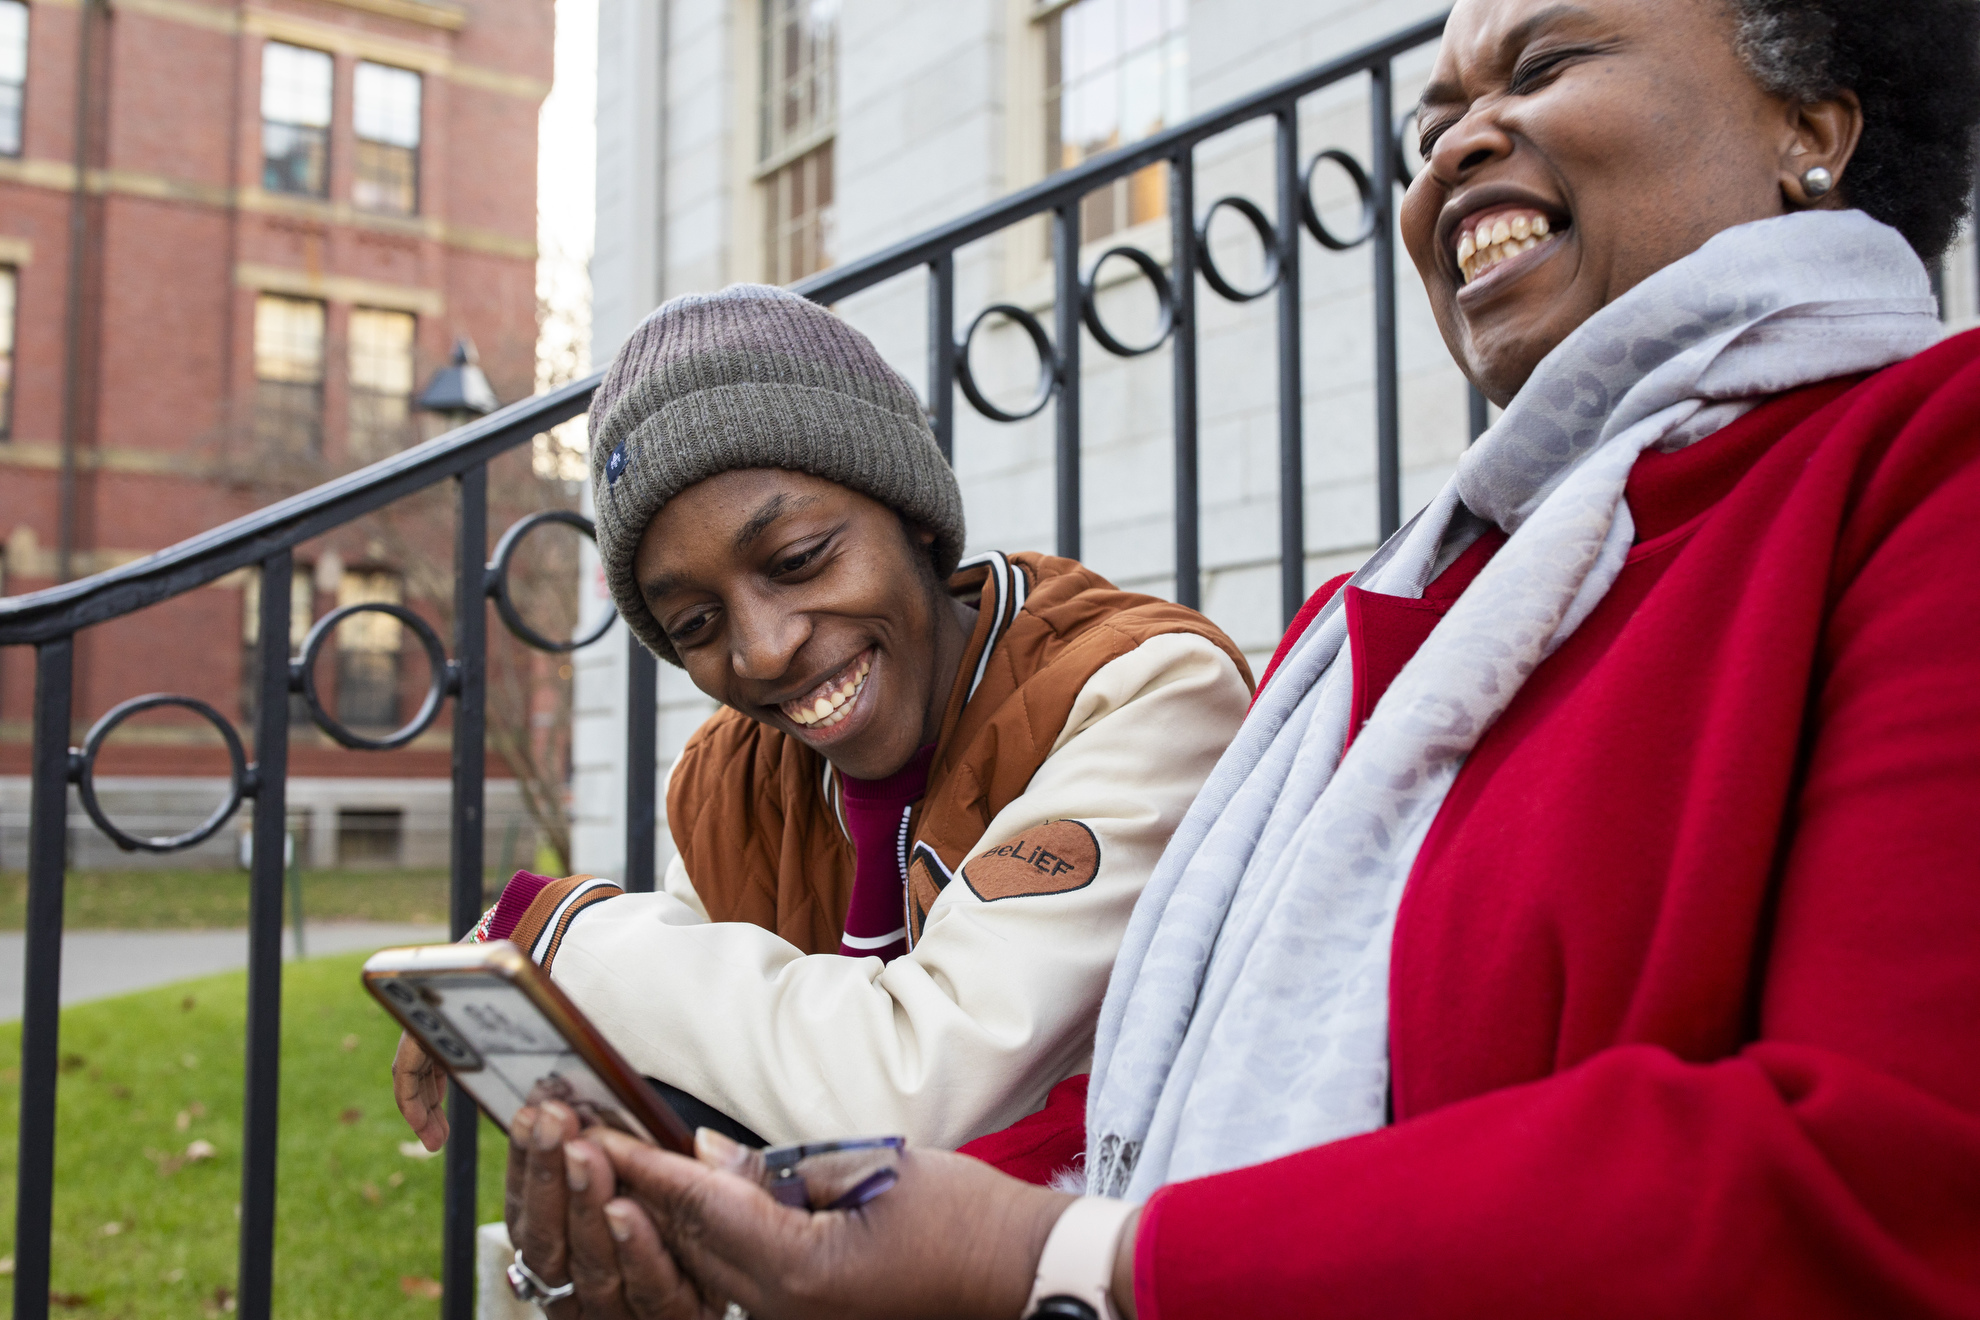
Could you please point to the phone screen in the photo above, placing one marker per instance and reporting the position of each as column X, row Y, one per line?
column 502, row 1049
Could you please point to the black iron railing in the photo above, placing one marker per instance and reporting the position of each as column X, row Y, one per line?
column 265, row 542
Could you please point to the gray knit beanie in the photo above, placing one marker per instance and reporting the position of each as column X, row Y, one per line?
column 754, row 377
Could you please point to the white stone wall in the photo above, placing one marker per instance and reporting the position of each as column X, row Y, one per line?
column 939, row 114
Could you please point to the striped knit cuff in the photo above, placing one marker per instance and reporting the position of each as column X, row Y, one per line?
column 557, row 903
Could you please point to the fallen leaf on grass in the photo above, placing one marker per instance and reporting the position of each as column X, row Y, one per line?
column 222, row 1301
column 73, row 1063
column 120, row 1092
column 412, row 1150
column 196, row 1109
column 173, row 1276
column 68, row 1301
column 183, row 1121
column 350, row 1116
column 414, row 1286
column 6, row 1265
column 200, row 1150
column 188, row 1004
column 396, row 1180
column 350, row 1042
column 168, row 1163
column 113, row 1228
column 371, row 1193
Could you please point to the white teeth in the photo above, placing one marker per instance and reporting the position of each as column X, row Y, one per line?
column 1486, row 245
column 829, row 709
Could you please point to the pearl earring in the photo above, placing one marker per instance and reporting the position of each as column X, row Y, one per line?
column 1817, row 182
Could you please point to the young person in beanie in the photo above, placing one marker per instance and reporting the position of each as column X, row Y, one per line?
column 909, row 843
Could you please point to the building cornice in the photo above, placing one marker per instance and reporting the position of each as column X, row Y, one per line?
column 60, row 176
column 343, row 40
column 426, row 13
column 339, row 288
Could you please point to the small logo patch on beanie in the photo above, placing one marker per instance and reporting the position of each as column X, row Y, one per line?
column 615, row 465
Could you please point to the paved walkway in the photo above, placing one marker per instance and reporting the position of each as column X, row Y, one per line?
column 97, row 964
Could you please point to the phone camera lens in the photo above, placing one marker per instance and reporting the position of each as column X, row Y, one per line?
column 398, row 993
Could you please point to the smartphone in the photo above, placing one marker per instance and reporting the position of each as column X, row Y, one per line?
column 509, row 1037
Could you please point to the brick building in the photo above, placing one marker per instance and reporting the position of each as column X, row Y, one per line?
column 226, row 266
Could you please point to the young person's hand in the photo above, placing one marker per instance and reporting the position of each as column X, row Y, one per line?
column 420, row 1088
column 953, row 1238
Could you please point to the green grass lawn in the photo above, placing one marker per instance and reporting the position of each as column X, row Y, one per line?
column 167, row 900
column 142, row 1230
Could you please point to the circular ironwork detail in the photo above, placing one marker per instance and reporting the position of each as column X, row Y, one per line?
column 1404, row 174
column 498, row 581
column 1048, row 364
column 1165, row 297
column 237, row 774
column 304, row 669
column 1311, row 213
column 1268, row 237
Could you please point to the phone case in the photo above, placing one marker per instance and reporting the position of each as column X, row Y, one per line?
column 510, row 1037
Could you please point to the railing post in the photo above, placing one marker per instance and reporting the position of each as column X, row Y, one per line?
column 1388, row 433
column 942, row 353
column 1182, row 281
column 1292, row 457
column 260, row 1109
column 642, row 772
column 41, row 1016
column 469, row 759
column 1067, row 296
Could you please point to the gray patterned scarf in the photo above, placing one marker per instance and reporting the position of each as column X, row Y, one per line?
column 1248, row 1013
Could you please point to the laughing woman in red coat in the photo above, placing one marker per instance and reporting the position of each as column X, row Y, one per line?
column 1586, row 920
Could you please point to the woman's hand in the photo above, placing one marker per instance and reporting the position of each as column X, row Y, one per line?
column 420, row 1088
column 953, row 1238
column 555, row 1205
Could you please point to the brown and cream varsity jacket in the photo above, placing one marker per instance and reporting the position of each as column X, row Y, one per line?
column 1083, row 721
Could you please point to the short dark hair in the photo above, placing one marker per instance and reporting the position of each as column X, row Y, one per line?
column 1915, row 66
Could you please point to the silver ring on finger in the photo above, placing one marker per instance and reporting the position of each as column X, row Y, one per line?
column 528, row 1285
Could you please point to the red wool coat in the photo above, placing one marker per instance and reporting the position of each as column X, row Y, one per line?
column 1685, row 991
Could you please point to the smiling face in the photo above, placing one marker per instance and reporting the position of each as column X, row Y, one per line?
column 808, row 607
column 1574, row 149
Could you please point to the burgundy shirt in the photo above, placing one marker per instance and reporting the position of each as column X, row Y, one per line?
column 876, row 815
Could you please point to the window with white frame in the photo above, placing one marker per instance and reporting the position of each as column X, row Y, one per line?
column 13, row 73
column 799, row 113
column 295, row 119
column 368, row 647
column 1116, row 71
column 9, row 287
column 385, row 112
column 288, row 372
column 381, row 359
